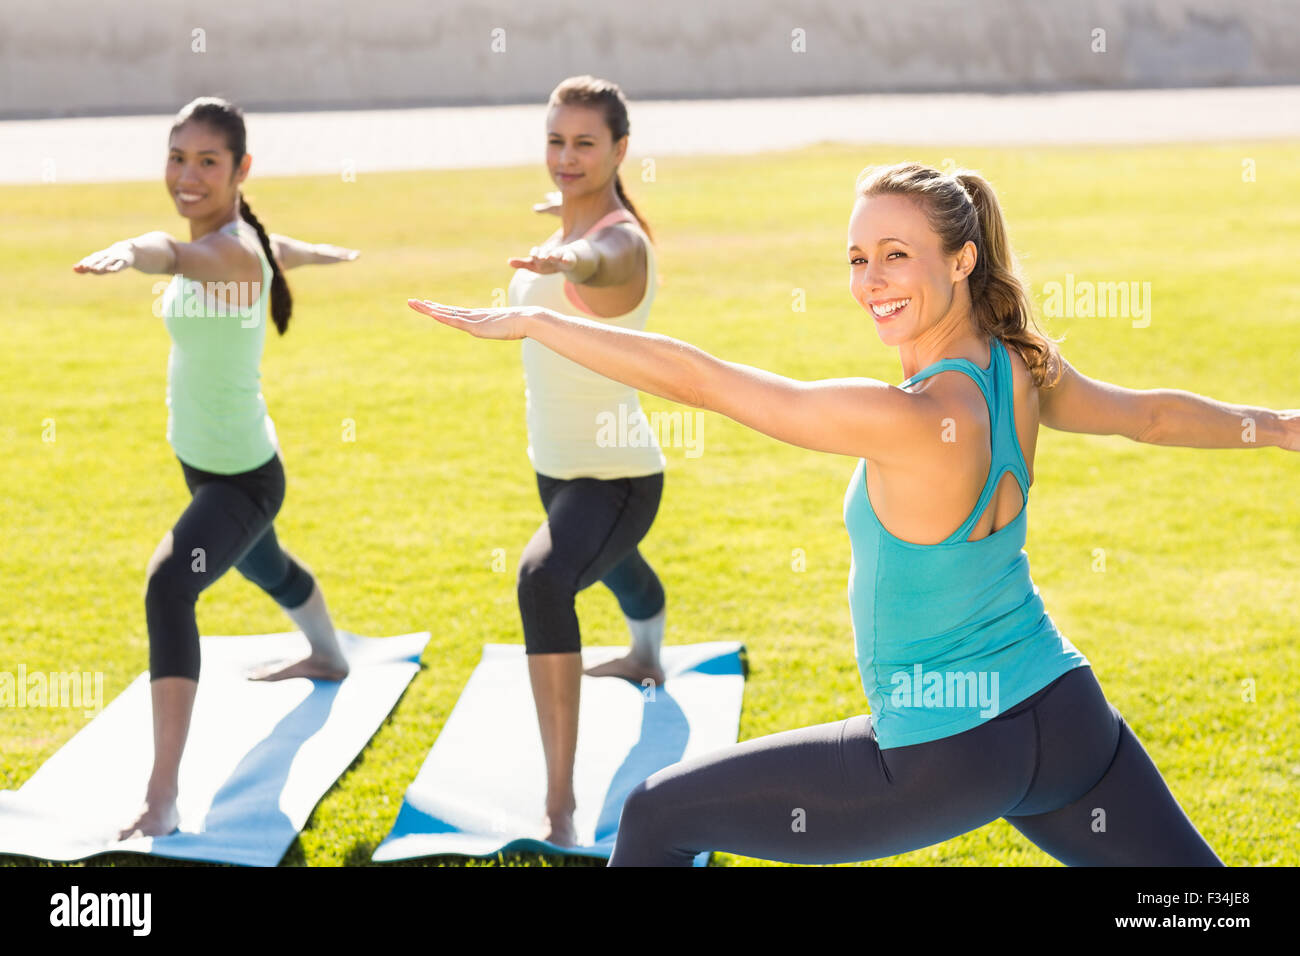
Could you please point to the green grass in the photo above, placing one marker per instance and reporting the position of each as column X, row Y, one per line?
column 1200, row 587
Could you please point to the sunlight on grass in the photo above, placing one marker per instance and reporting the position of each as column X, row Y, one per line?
column 1199, row 591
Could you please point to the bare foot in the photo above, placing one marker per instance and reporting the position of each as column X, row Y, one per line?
column 629, row 668
column 558, row 829
column 317, row 668
column 158, row 818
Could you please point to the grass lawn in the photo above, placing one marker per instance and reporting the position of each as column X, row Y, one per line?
column 1201, row 579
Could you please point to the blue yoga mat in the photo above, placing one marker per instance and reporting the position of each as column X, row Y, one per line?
column 259, row 757
column 482, row 788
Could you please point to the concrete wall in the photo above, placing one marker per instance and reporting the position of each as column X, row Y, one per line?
column 66, row 57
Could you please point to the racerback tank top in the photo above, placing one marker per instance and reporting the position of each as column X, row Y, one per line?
column 950, row 635
column 217, row 419
column 582, row 424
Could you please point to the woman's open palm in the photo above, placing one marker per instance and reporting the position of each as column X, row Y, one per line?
column 507, row 323
column 545, row 263
column 113, row 259
column 327, row 254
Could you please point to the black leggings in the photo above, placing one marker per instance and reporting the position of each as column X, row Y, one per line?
column 590, row 534
column 227, row 522
column 1062, row 767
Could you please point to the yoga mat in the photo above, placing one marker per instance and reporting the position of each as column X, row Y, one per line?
column 482, row 788
column 259, row 757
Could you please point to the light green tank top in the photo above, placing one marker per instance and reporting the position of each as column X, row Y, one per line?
column 216, row 417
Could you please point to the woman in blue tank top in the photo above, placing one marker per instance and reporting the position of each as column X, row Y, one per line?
column 980, row 707
column 226, row 283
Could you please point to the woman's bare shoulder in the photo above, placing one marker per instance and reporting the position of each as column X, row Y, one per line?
column 1022, row 379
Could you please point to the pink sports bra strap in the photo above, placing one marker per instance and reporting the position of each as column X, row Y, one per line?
column 618, row 215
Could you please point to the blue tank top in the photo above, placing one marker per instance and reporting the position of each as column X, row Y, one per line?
column 950, row 635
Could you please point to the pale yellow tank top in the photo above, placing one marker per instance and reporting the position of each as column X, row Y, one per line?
column 581, row 424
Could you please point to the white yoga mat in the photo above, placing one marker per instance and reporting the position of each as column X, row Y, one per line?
column 482, row 788
column 259, row 757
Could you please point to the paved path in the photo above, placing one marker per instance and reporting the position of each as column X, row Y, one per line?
column 133, row 147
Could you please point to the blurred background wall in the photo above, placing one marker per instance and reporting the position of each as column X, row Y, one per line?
column 76, row 57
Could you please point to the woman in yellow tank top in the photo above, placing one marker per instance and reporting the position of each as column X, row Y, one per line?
column 599, row 470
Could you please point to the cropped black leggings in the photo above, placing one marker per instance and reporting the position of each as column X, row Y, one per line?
column 227, row 522
column 1062, row 767
column 590, row 534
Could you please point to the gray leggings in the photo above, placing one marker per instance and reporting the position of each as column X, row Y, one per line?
column 1062, row 767
column 590, row 534
column 228, row 521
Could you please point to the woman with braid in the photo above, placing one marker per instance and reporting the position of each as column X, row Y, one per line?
column 980, row 707
column 218, row 426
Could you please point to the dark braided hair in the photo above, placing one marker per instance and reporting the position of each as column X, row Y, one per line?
column 227, row 118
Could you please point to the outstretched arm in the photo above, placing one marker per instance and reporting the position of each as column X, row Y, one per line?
column 291, row 253
column 860, row 417
column 216, row 257
column 612, row 257
column 1163, row 416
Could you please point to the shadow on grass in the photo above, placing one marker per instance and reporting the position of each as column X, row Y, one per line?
column 359, row 855
column 107, row 860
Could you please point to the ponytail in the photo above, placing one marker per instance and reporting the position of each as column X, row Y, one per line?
column 999, row 296
column 605, row 95
column 963, row 208
column 622, row 197
column 281, row 300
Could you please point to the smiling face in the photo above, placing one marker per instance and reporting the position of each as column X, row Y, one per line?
column 581, row 154
column 200, row 177
column 898, row 271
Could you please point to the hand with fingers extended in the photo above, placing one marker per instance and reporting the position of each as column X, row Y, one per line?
column 505, row 323
column 552, row 203
column 292, row 253
column 327, row 254
column 118, row 256
column 558, row 259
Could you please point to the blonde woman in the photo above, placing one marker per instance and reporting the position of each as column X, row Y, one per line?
column 980, row 707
